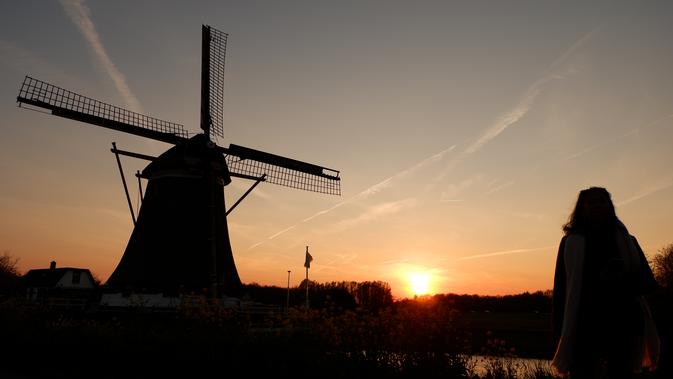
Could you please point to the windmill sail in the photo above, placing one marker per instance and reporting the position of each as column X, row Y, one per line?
column 214, row 50
column 246, row 162
column 242, row 161
column 68, row 104
column 180, row 241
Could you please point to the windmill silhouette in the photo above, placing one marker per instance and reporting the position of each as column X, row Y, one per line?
column 180, row 240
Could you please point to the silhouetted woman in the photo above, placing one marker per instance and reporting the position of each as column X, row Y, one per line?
column 601, row 320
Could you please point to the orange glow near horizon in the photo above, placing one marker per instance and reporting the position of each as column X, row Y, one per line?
column 461, row 154
column 419, row 283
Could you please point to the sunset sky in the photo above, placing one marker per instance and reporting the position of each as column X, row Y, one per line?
column 463, row 130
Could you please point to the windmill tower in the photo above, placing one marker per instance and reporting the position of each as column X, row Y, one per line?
column 180, row 240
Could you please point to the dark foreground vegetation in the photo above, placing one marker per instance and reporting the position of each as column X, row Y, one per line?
column 412, row 338
column 407, row 339
column 353, row 330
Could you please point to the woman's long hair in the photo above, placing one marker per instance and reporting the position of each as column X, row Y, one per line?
column 577, row 220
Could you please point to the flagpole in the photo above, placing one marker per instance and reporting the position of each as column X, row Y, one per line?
column 307, row 266
column 287, row 306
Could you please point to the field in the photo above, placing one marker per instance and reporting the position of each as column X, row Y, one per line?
column 416, row 338
column 523, row 334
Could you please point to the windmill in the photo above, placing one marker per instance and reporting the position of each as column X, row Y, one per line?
column 180, row 240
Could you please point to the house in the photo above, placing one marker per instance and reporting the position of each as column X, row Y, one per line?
column 65, row 287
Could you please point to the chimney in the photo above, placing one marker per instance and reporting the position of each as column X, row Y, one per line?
column 52, row 265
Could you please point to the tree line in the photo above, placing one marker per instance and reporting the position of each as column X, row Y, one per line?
column 374, row 295
column 345, row 295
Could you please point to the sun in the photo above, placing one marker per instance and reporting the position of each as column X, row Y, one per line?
column 420, row 283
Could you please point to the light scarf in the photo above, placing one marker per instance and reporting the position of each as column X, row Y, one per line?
column 647, row 352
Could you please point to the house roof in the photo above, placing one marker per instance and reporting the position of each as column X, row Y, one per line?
column 48, row 277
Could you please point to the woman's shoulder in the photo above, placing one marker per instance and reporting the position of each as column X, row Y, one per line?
column 572, row 238
column 573, row 246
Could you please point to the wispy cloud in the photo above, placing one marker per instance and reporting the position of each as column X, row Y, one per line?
column 402, row 174
column 499, row 187
column 500, row 125
column 343, row 258
column 274, row 236
column 80, row 15
column 453, row 191
column 504, row 252
column 243, row 186
column 556, row 71
column 377, row 211
column 646, row 192
column 618, row 137
column 563, row 58
column 510, row 117
column 599, row 145
column 374, row 189
column 380, row 186
column 654, row 188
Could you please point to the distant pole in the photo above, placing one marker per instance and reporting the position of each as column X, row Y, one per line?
column 307, row 264
column 287, row 306
column 306, row 288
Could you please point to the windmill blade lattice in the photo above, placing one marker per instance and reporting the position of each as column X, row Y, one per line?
column 68, row 104
column 216, row 54
column 283, row 171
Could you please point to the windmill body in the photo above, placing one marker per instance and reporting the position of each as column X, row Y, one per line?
column 180, row 241
column 170, row 247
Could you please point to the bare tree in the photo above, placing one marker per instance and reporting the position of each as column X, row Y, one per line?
column 662, row 265
column 9, row 273
column 8, row 264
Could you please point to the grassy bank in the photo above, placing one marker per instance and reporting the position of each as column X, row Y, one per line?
column 408, row 339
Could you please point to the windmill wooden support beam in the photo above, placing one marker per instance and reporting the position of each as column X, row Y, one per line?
column 126, row 189
column 259, row 180
column 118, row 152
column 132, row 154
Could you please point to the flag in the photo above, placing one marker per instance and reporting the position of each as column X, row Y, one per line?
column 309, row 258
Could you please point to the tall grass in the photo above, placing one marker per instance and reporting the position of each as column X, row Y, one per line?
column 409, row 340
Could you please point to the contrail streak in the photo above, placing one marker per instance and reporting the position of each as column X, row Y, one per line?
column 504, row 252
column 645, row 193
column 80, row 15
column 519, row 111
column 508, row 119
column 564, row 57
column 376, row 188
